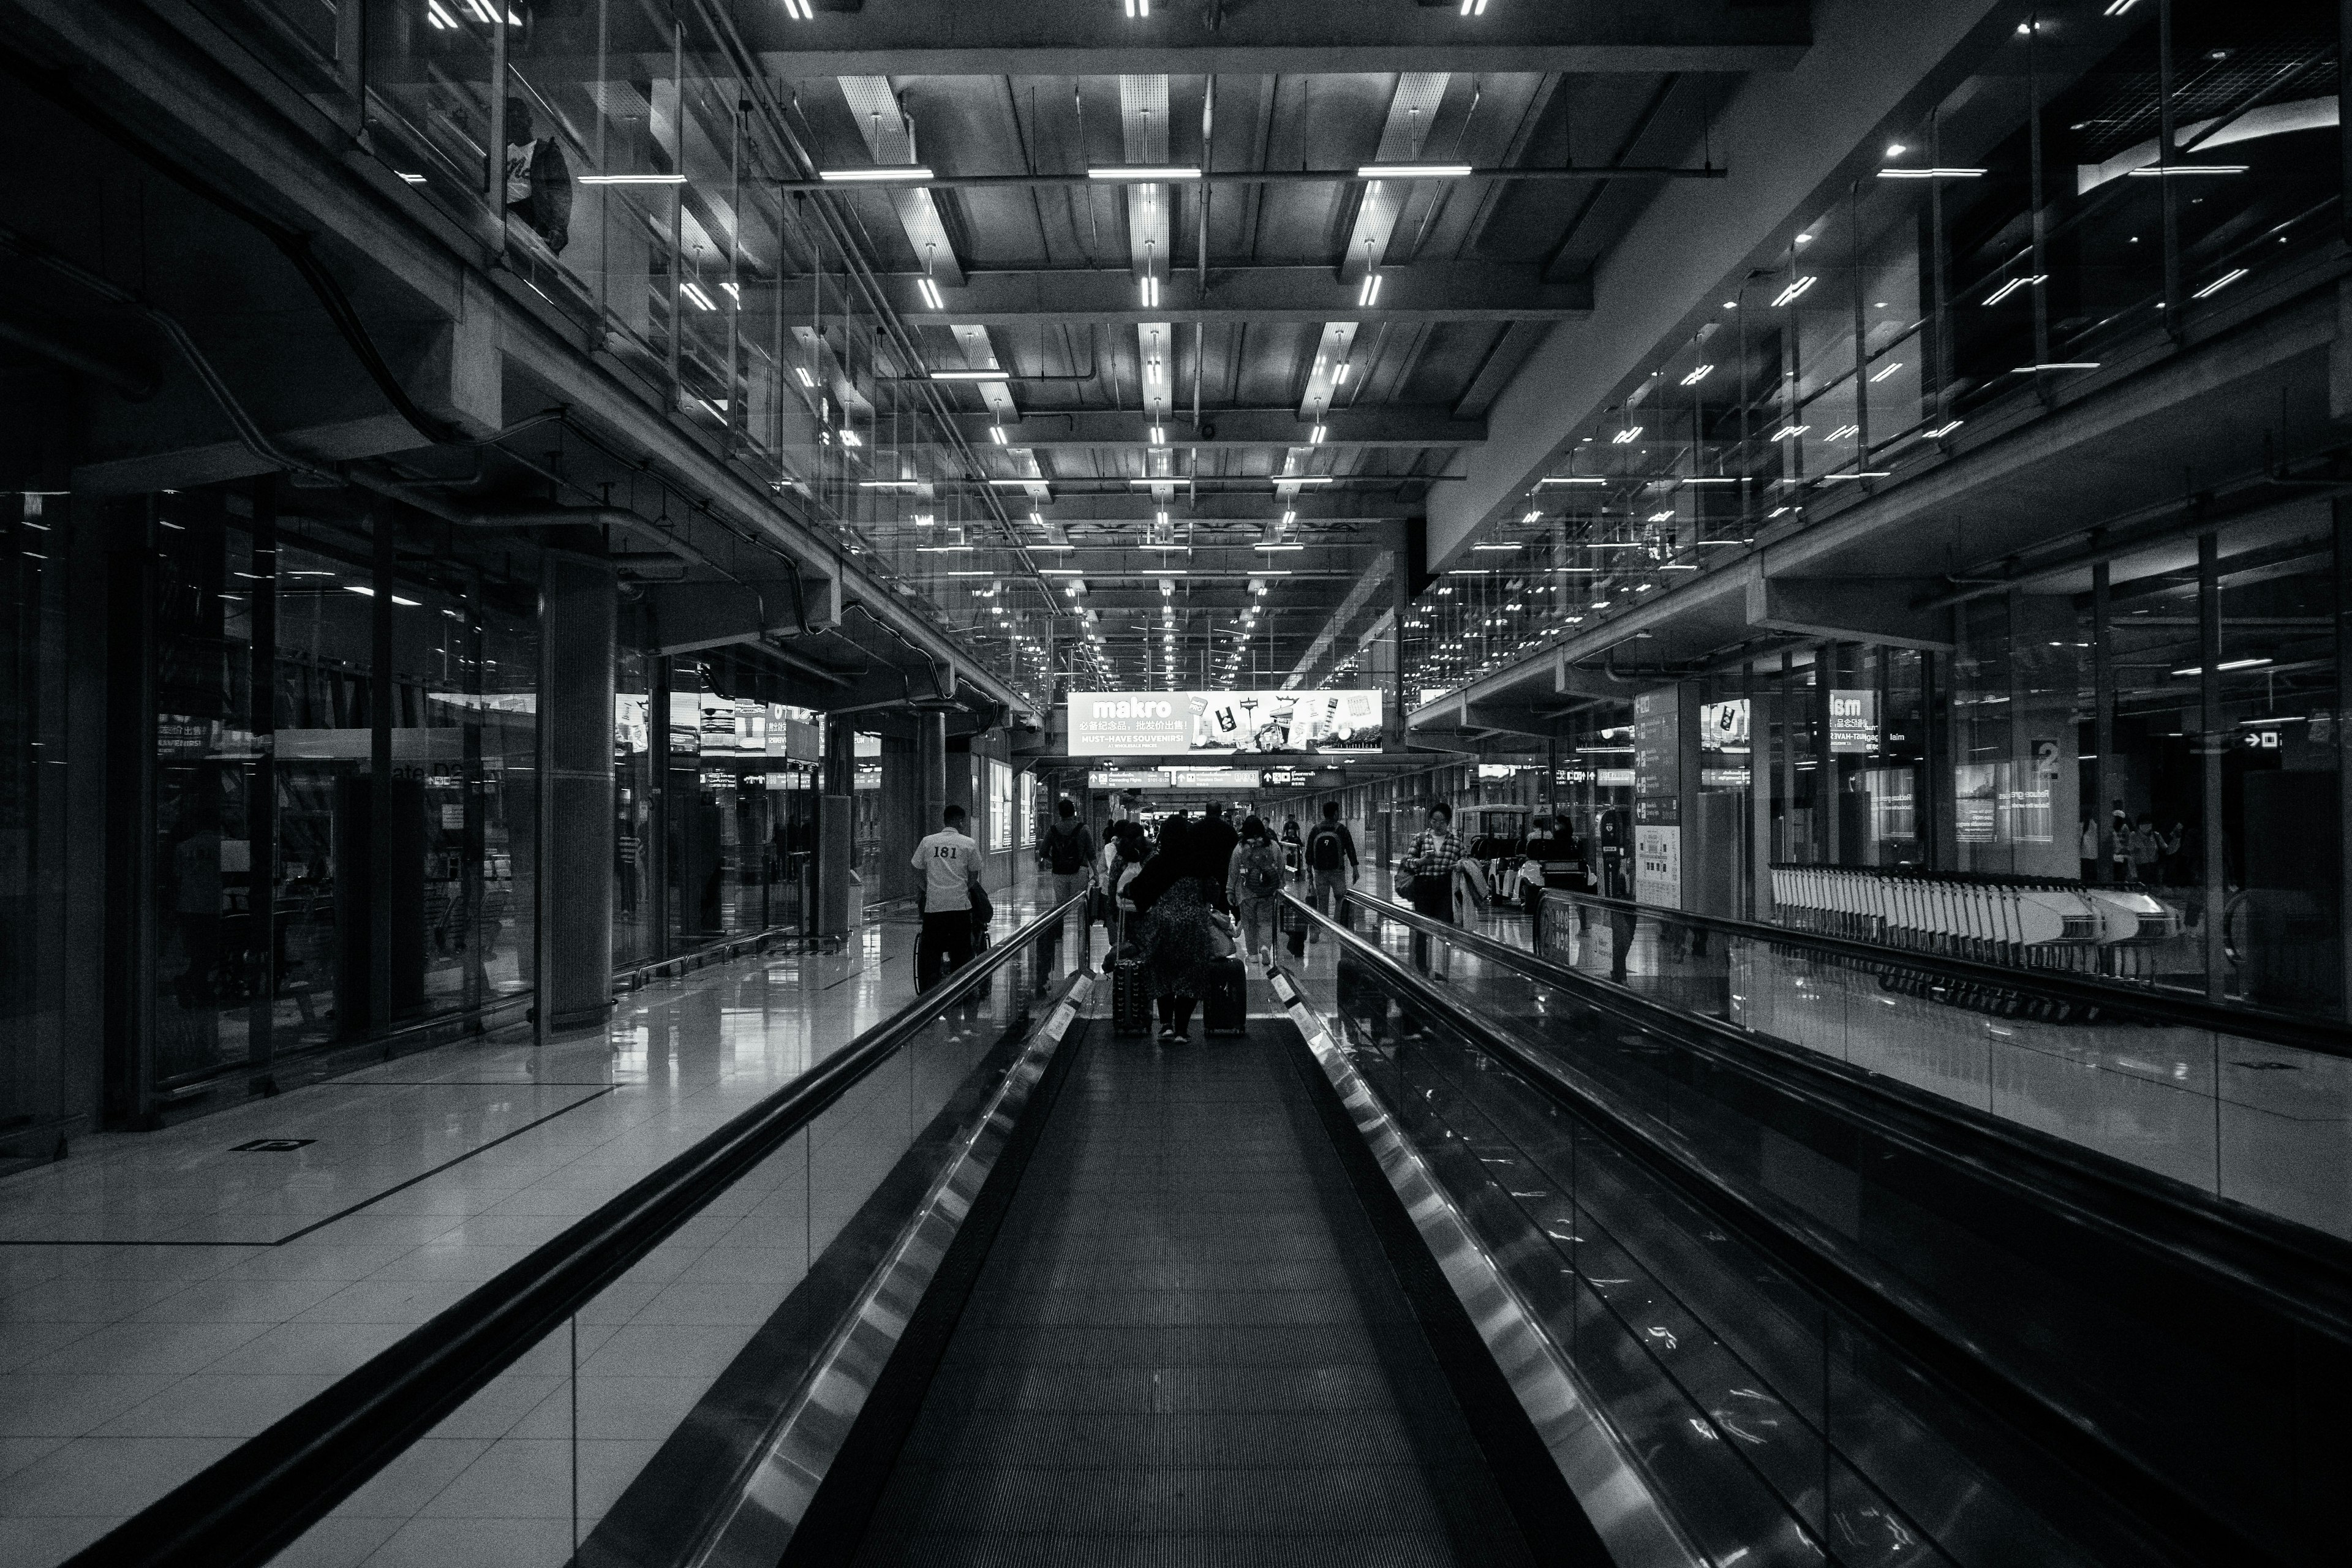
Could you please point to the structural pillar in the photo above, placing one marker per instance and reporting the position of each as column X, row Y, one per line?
column 836, row 851
column 579, row 623
column 931, row 765
column 2210, row 741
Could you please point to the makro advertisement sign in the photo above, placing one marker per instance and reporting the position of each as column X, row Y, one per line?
column 1173, row 723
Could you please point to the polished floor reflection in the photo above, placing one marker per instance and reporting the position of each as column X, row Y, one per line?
column 164, row 1295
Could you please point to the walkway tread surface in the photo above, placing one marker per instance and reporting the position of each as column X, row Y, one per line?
column 1186, row 1349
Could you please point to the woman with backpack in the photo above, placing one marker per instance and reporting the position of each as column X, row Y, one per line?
column 1254, row 880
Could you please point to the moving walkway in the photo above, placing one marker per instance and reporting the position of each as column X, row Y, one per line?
column 1482, row 1262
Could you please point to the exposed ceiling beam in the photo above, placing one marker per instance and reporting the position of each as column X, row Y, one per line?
column 1094, row 38
column 1425, row 291
column 1235, row 428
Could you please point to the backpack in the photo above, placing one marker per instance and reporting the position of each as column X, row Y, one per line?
column 1261, row 873
column 1323, row 847
column 1063, row 850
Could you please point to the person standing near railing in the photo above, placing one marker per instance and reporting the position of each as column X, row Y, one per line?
column 1430, row 861
column 1067, row 856
column 1331, row 865
column 948, row 863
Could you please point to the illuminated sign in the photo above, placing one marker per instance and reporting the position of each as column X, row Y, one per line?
column 1213, row 778
column 1173, row 723
column 1853, row 721
column 1723, row 726
column 1127, row 778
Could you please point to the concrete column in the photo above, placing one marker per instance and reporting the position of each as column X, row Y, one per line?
column 836, row 850
column 579, row 621
column 931, row 765
column 1401, row 568
column 2209, row 742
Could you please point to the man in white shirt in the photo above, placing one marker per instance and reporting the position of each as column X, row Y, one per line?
column 948, row 863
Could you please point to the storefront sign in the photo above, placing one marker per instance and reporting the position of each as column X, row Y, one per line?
column 1495, row 771
column 1658, row 865
column 1164, row 723
column 1853, row 722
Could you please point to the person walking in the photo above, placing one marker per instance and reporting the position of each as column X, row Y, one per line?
column 538, row 182
column 1331, row 865
column 1213, row 842
column 948, row 863
column 2147, row 847
column 1430, row 860
column 1254, row 880
column 1177, row 925
column 1067, row 856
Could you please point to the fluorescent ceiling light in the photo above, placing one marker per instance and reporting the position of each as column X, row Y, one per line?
column 1795, row 291
column 632, row 179
column 1574, row 479
column 1145, row 173
column 888, row 484
column 2056, row 364
column 996, row 434
column 1057, row 571
column 1316, row 438
column 1010, row 482
column 1304, row 479
column 2225, row 664
column 1711, row 480
column 1150, row 290
column 1414, row 172
column 887, row 173
column 970, row 375
column 1626, row 436
column 807, row 379
column 1495, row 547
column 1275, row 547
column 2152, row 172
column 1698, row 374
column 2013, row 285
column 1883, row 374
column 931, row 292
column 2220, row 283
column 1859, row 474
column 1938, row 174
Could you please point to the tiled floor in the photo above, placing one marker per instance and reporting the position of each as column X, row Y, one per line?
column 162, row 1298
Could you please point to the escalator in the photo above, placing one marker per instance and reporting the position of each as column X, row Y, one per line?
column 1501, row 1268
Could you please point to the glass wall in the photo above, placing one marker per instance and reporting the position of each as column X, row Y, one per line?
column 740, row 807
column 341, row 799
column 33, row 1101
column 2022, row 239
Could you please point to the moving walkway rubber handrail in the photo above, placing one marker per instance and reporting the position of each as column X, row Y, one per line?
column 1838, row 1274
column 2161, row 1009
column 2304, row 1274
column 260, row 1497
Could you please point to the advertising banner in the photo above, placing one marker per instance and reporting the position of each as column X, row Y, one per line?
column 1658, row 865
column 1723, row 726
column 1169, row 723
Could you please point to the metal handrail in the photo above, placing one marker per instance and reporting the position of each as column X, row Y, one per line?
column 2306, row 1275
column 260, row 1497
column 1834, row 1270
column 2162, row 1009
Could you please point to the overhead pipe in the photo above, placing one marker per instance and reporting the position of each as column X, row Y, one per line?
column 134, row 384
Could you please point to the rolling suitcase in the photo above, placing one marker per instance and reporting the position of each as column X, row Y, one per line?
column 1225, row 1000
column 1130, row 1003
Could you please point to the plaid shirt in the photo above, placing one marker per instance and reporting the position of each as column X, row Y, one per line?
column 1434, row 853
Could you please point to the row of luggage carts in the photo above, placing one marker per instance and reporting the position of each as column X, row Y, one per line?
column 2022, row 922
